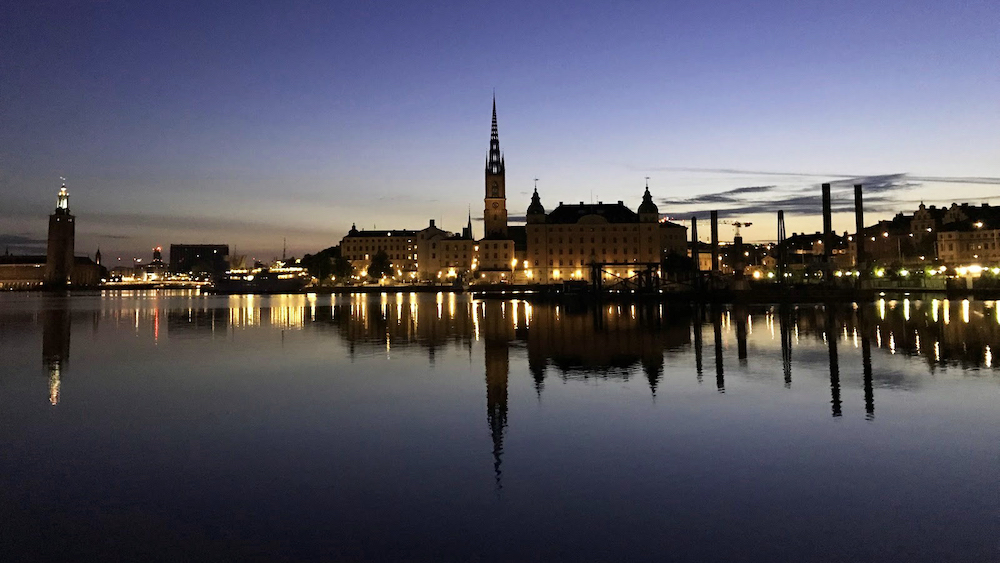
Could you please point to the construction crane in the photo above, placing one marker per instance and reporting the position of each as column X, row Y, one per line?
column 736, row 224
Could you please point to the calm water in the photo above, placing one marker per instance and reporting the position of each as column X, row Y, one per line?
column 145, row 426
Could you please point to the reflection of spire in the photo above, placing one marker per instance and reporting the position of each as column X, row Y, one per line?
column 55, row 346
column 654, row 371
column 496, row 399
column 538, row 374
column 497, row 361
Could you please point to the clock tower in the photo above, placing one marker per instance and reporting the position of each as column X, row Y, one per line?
column 495, row 211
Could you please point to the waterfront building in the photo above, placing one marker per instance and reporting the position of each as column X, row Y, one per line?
column 427, row 254
column 969, row 235
column 965, row 244
column 400, row 246
column 199, row 259
column 59, row 267
column 571, row 240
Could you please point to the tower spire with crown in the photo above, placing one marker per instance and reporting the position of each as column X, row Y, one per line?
column 495, row 208
column 494, row 160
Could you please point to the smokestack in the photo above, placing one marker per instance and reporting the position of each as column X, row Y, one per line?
column 695, row 255
column 859, row 224
column 827, row 227
column 781, row 246
column 715, row 240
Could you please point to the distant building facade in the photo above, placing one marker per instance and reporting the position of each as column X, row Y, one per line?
column 199, row 259
column 565, row 243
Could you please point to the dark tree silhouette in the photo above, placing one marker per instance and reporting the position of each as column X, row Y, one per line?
column 380, row 265
column 341, row 268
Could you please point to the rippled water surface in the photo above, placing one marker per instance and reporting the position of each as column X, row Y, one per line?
column 172, row 426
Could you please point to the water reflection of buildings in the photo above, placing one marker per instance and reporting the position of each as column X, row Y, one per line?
column 610, row 342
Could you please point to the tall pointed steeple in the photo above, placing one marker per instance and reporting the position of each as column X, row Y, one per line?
column 494, row 161
column 495, row 203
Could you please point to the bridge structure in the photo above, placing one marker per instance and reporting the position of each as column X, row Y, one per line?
column 643, row 277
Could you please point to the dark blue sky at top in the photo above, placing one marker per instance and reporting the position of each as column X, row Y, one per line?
column 249, row 122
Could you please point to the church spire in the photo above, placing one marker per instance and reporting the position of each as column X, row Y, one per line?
column 494, row 161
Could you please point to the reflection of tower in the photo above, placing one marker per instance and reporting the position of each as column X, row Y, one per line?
column 720, row 380
column 55, row 346
column 741, row 333
column 697, row 340
column 59, row 253
column 497, row 367
column 831, row 340
column 866, row 364
column 495, row 212
column 785, row 321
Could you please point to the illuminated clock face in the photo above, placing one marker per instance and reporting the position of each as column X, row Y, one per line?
column 495, row 205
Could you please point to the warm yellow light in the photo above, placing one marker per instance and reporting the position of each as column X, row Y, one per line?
column 756, row 275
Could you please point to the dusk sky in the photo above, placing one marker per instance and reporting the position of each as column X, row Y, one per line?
column 244, row 122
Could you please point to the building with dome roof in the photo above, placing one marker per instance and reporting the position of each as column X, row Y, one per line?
column 566, row 243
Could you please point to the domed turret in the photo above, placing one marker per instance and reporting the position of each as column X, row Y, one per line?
column 536, row 213
column 648, row 212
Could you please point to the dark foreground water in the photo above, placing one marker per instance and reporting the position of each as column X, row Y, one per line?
column 152, row 426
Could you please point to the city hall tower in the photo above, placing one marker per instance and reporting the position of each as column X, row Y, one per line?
column 59, row 253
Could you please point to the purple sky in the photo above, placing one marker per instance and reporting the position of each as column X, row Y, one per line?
column 244, row 123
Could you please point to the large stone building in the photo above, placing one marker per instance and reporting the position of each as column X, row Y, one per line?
column 428, row 254
column 573, row 239
column 59, row 268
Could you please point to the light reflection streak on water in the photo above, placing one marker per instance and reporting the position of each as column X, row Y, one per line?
column 965, row 311
column 475, row 319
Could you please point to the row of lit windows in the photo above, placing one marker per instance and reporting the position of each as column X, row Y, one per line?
column 592, row 229
column 614, row 240
column 593, row 251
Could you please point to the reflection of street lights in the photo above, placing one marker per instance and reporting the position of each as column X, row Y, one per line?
column 513, row 264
